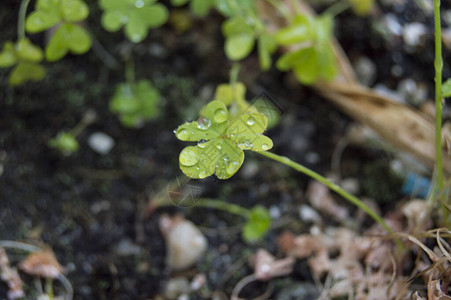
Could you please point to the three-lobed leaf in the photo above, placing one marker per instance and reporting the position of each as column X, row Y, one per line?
column 135, row 103
column 136, row 15
column 68, row 38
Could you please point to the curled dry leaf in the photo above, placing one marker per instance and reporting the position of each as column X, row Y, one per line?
column 185, row 243
column 42, row 264
column 11, row 277
column 435, row 291
column 267, row 267
column 321, row 199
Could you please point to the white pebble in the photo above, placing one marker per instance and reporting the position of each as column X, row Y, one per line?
column 101, row 142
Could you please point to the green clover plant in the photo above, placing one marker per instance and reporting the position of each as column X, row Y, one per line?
column 135, row 103
column 257, row 224
column 221, row 141
column 137, row 16
column 25, row 57
column 314, row 58
column 64, row 15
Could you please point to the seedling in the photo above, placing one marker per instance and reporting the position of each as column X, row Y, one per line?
column 314, row 58
column 135, row 103
column 69, row 36
column 25, row 58
column 136, row 16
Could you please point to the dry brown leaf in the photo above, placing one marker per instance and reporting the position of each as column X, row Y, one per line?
column 42, row 264
column 267, row 267
column 435, row 291
column 321, row 199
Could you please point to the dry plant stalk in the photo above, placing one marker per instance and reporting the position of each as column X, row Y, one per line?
column 404, row 127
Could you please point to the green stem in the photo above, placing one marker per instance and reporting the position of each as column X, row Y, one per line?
column 337, row 8
column 130, row 70
column 49, row 288
column 438, row 64
column 21, row 22
column 354, row 200
column 225, row 206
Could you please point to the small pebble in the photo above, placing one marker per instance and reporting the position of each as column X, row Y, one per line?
column 365, row 70
column 101, row 142
column 413, row 35
column 351, row 185
column 308, row 214
column 413, row 93
column 127, row 248
column 176, row 287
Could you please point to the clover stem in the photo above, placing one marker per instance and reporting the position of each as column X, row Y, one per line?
column 334, row 187
column 337, row 8
column 21, row 22
column 225, row 206
column 130, row 70
column 438, row 65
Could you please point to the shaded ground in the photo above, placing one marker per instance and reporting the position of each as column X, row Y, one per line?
column 86, row 206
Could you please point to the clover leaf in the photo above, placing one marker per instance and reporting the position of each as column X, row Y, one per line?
column 25, row 56
column 135, row 103
column 221, row 141
column 136, row 15
column 315, row 59
column 69, row 36
column 257, row 224
column 48, row 13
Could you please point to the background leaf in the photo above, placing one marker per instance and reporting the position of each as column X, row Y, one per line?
column 257, row 224
column 446, row 88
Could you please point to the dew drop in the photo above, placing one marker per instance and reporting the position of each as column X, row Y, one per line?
column 265, row 147
column 219, row 146
column 202, row 143
column 232, row 167
column 139, row 3
column 188, row 157
column 220, row 115
column 182, row 134
column 203, row 123
column 246, row 144
column 250, row 121
column 202, row 174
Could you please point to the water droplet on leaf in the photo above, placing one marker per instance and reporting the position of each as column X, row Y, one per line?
column 219, row 146
column 220, row 115
column 188, row 157
column 232, row 167
column 250, row 121
column 202, row 143
column 139, row 3
column 203, row 174
column 245, row 144
column 203, row 123
column 182, row 134
column 265, row 147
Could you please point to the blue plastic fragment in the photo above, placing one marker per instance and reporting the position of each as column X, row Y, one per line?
column 416, row 186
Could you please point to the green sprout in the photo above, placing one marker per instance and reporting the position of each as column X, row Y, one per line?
column 135, row 103
column 69, row 36
column 64, row 142
column 221, row 141
column 314, row 58
column 25, row 57
column 136, row 15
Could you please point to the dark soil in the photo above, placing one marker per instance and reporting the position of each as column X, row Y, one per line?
column 85, row 205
